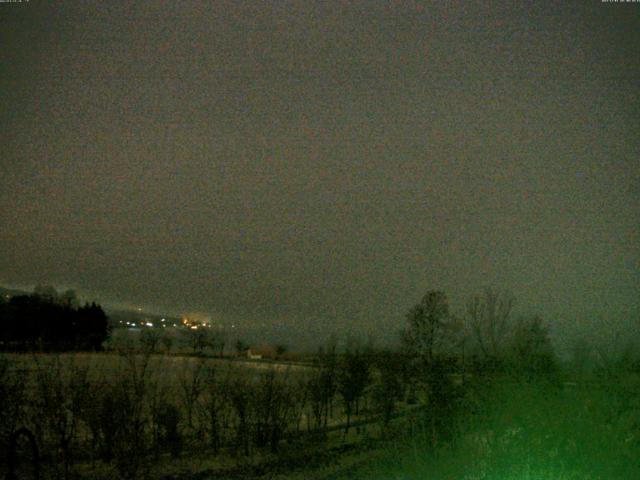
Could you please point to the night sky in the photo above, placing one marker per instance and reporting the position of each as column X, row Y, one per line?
column 322, row 164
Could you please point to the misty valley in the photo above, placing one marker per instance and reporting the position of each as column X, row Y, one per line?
column 483, row 395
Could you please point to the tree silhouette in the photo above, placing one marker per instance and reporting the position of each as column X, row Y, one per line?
column 429, row 338
column 490, row 321
column 430, row 326
column 353, row 379
column 46, row 320
column 532, row 348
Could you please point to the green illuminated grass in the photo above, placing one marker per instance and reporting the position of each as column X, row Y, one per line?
column 532, row 430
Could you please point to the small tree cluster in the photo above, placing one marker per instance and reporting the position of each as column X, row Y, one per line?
column 51, row 321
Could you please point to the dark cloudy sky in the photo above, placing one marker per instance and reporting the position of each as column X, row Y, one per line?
column 323, row 163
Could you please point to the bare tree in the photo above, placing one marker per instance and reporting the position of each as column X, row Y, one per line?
column 219, row 340
column 532, row 349
column 322, row 385
column 389, row 387
column 489, row 318
column 12, row 399
column 199, row 339
column 167, row 342
column 239, row 395
column 191, row 388
column 165, row 420
column 432, row 337
column 124, row 415
column 214, row 407
column 353, row 379
column 319, row 392
column 149, row 338
column 431, row 327
column 273, row 407
column 61, row 391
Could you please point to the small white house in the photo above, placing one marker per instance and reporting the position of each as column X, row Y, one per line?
column 253, row 356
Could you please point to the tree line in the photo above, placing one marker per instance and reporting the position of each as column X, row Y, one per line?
column 441, row 384
column 49, row 320
column 489, row 337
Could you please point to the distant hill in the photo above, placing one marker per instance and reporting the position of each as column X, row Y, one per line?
column 117, row 316
column 7, row 293
column 299, row 338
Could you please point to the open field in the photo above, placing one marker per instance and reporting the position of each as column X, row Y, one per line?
column 107, row 415
column 168, row 417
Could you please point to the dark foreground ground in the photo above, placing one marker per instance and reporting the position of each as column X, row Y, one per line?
column 492, row 427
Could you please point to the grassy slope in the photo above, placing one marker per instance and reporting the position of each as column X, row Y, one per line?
column 534, row 431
